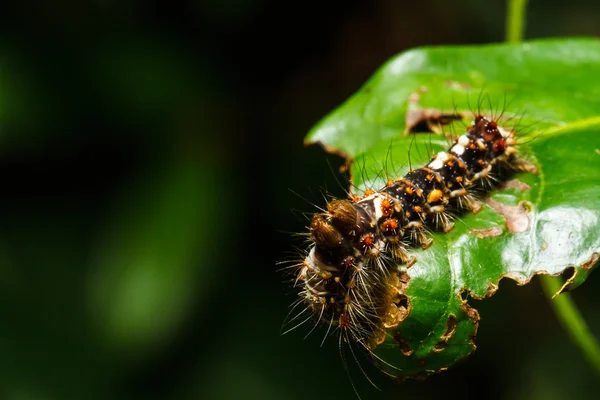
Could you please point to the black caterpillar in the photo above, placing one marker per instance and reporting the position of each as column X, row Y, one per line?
column 349, row 275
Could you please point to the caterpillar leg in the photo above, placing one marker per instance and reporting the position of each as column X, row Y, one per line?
column 445, row 222
column 400, row 253
column 472, row 204
column 421, row 238
column 441, row 218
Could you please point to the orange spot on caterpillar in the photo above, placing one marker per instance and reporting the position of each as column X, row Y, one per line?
column 368, row 241
column 389, row 225
column 434, row 195
column 417, row 209
column 369, row 192
column 386, row 207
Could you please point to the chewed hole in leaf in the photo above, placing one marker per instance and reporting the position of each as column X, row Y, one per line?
column 517, row 217
column 450, row 329
column 403, row 346
column 429, row 120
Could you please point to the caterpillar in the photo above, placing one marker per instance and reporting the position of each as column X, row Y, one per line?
column 359, row 247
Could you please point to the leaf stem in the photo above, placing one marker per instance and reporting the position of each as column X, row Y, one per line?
column 515, row 21
column 571, row 320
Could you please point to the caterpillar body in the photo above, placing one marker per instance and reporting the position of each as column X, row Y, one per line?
column 349, row 275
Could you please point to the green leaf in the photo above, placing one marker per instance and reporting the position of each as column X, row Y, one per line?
column 550, row 91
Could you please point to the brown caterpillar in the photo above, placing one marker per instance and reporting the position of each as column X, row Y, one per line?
column 357, row 246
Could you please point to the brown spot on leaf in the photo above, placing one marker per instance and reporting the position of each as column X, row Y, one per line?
column 514, row 183
column 439, row 347
column 404, row 280
column 592, row 262
column 516, row 217
column 488, row 232
column 450, row 329
column 398, row 304
column 458, row 85
column 523, row 165
column 414, row 98
column 491, row 289
column 403, row 346
column 428, row 120
column 472, row 313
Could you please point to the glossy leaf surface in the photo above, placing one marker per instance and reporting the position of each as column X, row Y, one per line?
column 549, row 92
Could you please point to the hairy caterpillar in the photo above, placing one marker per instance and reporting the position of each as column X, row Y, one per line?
column 349, row 275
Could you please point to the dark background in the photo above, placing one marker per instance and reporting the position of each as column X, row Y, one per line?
column 147, row 152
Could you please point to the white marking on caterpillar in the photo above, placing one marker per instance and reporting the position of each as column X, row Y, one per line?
column 458, row 149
